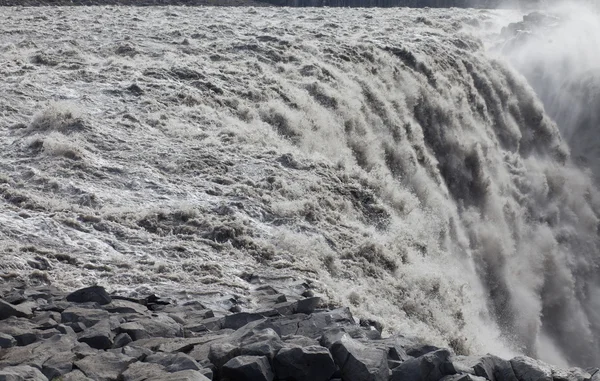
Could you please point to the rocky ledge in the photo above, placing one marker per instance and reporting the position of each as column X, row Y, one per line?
column 89, row 334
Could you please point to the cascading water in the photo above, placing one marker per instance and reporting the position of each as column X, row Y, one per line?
column 383, row 152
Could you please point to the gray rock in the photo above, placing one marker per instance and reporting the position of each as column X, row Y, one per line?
column 494, row 368
column 288, row 325
column 573, row 374
column 7, row 310
column 255, row 368
column 140, row 371
column 308, row 305
column 265, row 342
column 159, row 326
column 238, row 320
column 21, row 373
column 359, row 362
column 126, row 306
column 75, row 375
column 528, row 369
column 98, row 336
column 87, row 316
column 221, row 353
column 173, row 362
column 135, row 352
column 121, row 340
column 37, row 354
column 428, row 367
column 65, row 329
column 104, row 366
column 314, row 325
column 184, row 375
column 312, row 363
column 58, row 364
column 7, row 341
column 300, row 341
column 90, row 294
column 462, row 377
column 420, row 349
column 286, row 308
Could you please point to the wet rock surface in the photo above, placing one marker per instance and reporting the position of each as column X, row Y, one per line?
column 99, row 336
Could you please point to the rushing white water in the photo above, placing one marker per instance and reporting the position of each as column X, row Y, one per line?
column 384, row 154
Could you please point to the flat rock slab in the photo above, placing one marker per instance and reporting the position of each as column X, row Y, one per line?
column 255, row 368
column 104, row 366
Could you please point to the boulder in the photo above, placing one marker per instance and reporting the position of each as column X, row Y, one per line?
column 7, row 341
column 494, row 368
column 359, row 362
column 173, row 362
column 308, row 305
column 21, row 373
column 98, row 336
column 121, row 340
column 220, row 353
column 528, row 369
column 75, row 375
column 314, row 325
column 238, row 320
column 462, row 377
column 104, row 366
column 95, row 294
column 573, row 374
column 7, row 310
column 36, row 354
column 158, row 326
column 125, row 307
column 139, row 371
column 428, row 367
column 58, row 364
column 255, row 368
column 313, row 363
column 87, row 316
column 184, row 375
column 264, row 342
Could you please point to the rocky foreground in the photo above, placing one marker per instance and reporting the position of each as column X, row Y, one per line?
column 46, row 334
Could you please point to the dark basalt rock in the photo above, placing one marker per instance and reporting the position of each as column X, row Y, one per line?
column 255, row 368
column 312, row 363
column 141, row 339
column 95, row 294
column 9, row 310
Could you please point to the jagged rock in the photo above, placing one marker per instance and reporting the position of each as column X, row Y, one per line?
column 83, row 350
column 125, row 307
column 359, row 362
column 7, row 310
column 37, row 354
column 135, row 352
column 420, row 349
column 313, row 363
column 75, row 375
column 288, row 325
column 573, row 374
column 264, row 342
column 140, row 371
column 494, row 368
column 90, row 294
column 87, row 316
column 7, row 341
column 308, row 305
column 98, row 336
column 300, row 341
column 57, row 306
column 58, row 364
column 159, row 326
column 121, row 340
column 528, row 369
column 255, row 368
column 104, row 366
column 209, row 324
column 184, row 375
column 428, row 367
column 65, row 329
column 21, row 373
column 462, row 377
column 286, row 308
column 173, row 362
column 236, row 321
column 221, row 353
column 314, row 325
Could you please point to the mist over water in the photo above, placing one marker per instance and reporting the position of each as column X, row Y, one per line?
column 385, row 154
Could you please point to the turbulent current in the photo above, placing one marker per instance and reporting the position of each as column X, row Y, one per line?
column 399, row 159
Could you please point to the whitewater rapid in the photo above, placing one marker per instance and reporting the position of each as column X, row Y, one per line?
column 395, row 157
